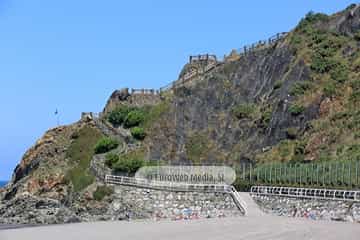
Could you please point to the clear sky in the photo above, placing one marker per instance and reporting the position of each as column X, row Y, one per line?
column 71, row 54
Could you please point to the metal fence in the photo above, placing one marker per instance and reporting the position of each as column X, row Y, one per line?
column 324, row 174
column 327, row 194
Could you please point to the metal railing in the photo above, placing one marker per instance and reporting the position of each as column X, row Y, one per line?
column 328, row 174
column 326, row 194
column 178, row 186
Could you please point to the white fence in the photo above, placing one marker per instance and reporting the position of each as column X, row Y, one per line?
column 326, row 194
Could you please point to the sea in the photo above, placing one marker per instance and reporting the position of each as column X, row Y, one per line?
column 3, row 183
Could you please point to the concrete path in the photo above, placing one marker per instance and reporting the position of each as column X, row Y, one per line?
column 256, row 228
column 252, row 209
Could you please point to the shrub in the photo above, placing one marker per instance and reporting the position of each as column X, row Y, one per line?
column 138, row 133
column 106, row 144
column 355, row 96
column 291, row 133
column 244, row 110
column 101, row 192
column 266, row 118
column 309, row 19
column 355, row 85
column 278, row 84
column 111, row 159
column 300, row 88
column 357, row 36
column 117, row 116
column 329, row 90
column 134, row 118
column 197, row 147
column 320, row 64
column 339, row 72
column 296, row 109
column 129, row 163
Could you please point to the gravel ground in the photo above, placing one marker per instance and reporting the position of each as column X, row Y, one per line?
column 265, row 227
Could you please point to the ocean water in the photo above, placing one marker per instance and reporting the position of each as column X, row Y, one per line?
column 2, row 183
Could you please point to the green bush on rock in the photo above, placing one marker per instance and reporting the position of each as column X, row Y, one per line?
column 111, row 159
column 296, row 109
column 244, row 110
column 134, row 118
column 138, row 133
column 106, row 144
column 129, row 163
column 118, row 116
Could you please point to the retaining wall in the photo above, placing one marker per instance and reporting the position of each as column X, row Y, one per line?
column 314, row 209
column 155, row 204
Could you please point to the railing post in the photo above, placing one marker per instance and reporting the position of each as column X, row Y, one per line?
column 350, row 184
column 357, row 173
column 250, row 176
column 323, row 174
column 343, row 173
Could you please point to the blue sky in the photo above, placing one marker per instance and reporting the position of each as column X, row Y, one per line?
column 71, row 55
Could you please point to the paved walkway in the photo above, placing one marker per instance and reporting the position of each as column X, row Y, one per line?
column 249, row 228
column 252, row 209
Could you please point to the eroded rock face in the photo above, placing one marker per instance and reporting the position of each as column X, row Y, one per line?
column 206, row 108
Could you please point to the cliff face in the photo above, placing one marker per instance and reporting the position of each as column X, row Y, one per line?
column 295, row 100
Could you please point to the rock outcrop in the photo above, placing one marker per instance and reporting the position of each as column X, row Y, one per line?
column 300, row 94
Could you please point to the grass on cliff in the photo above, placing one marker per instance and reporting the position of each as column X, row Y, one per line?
column 138, row 119
column 334, row 61
column 80, row 154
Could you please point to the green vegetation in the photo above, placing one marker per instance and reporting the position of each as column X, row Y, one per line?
column 101, row 192
column 139, row 119
column 129, row 163
column 300, row 88
column 245, row 110
column 80, row 154
column 278, row 84
column 197, row 147
column 111, row 159
column 105, row 144
column 135, row 118
column 118, row 116
column 138, row 133
column 296, row 109
column 292, row 132
column 329, row 90
column 265, row 118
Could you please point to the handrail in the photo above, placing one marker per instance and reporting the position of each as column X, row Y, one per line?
column 326, row 194
column 178, row 186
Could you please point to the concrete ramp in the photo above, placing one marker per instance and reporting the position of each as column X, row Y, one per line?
column 252, row 209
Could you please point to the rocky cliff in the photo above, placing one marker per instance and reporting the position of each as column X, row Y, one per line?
column 295, row 100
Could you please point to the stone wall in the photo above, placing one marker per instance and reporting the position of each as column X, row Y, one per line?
column 155, row 204
column 309, row 208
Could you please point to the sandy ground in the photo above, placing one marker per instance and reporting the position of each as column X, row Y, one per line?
column 265, row 227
